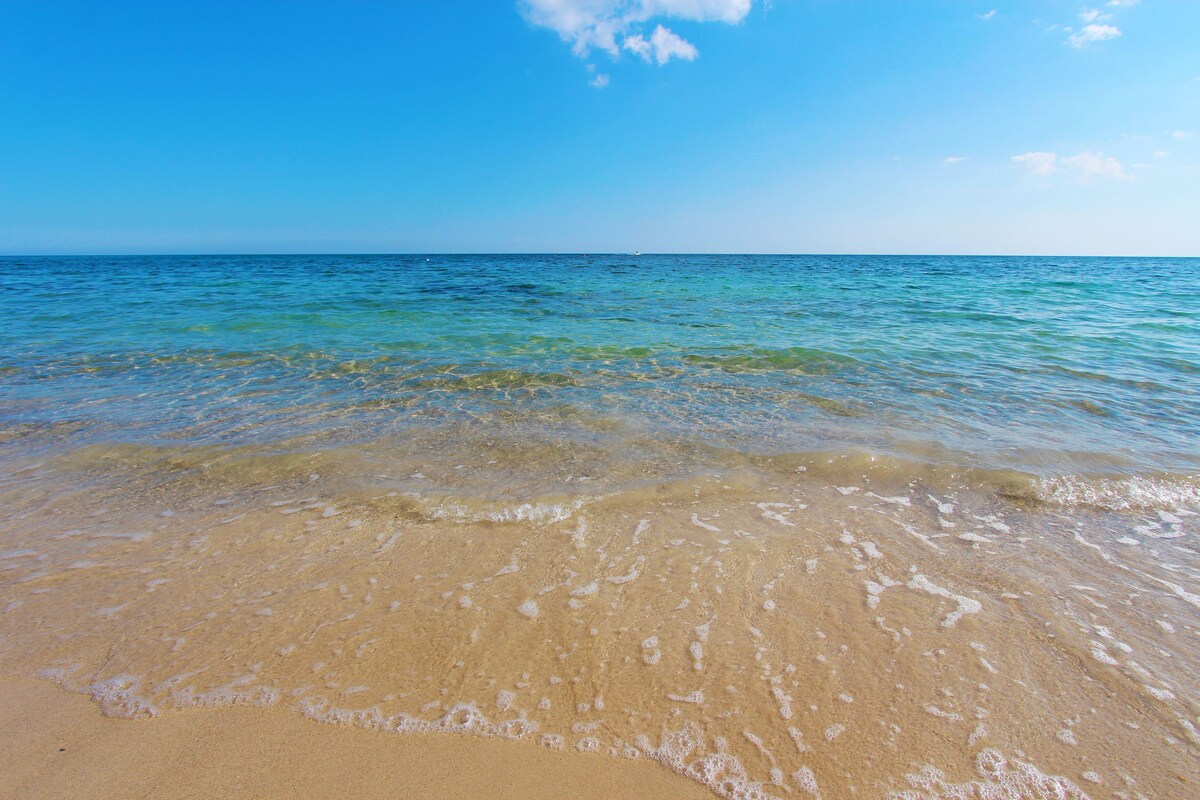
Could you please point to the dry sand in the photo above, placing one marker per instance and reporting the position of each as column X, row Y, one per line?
column 56, row 744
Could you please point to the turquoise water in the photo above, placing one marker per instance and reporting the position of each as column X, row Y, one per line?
column 1048, row 366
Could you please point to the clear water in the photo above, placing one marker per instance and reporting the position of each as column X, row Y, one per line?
column 1047, row 366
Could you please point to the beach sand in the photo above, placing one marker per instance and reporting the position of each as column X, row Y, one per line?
column 58, row 744
column 762, row 639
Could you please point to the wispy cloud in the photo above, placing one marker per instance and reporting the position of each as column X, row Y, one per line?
column 662, row 46
column 1183, row 136
column 1098, row 25
column 950, row 161
column 614, row 26
column 1096, row 165
column 1085, row 166
column 987, row 14
column 1090, row 34
column 1038, row 163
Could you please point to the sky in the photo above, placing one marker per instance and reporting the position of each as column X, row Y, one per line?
column 717, row 126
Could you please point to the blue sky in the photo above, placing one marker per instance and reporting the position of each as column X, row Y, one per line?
column 897, row 126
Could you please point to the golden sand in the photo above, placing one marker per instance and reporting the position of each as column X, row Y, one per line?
column 58, row 745
column 763, row 634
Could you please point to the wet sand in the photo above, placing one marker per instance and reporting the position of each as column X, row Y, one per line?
column 54, row 744
column 761, row 634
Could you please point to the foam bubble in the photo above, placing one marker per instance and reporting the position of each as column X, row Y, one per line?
column 998, row 779
column 240, row 691
column 1119, row 494
column 587, row 590
column 650, row 652
column 538, row 513
column 626, row 578
column 783, row 701
column 118, row 697
column 966, row 605
column 695, row 698
column 721, row 772
column 769, row 512
column 807, row 781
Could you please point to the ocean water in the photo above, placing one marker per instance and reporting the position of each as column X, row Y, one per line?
column 1050, row 367
column 849, row 526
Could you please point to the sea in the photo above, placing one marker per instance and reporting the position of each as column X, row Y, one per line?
column 792, row 526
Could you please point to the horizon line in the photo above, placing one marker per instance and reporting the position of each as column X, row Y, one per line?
column 564, row 253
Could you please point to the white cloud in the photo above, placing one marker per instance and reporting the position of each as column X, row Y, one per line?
column 1096, row 165
column 583, row 23
column 599, row 82
column 1097, row 26
column 1183, row 135
column 1085, row 166
column 1038, row 163
column 640, row 45
column 1094, row 15
column 667, row 46
column 987, row 15
column 616, row 25
column 952, row 160
column 1093, row 33
column 663, row 45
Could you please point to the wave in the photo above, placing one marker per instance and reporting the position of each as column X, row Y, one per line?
column 514, row 470
column 1137, row 493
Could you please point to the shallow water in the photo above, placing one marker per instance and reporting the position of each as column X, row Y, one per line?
column 847, row 526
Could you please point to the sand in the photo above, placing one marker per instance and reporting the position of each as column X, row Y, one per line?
column 762, row 633
column 58, row 744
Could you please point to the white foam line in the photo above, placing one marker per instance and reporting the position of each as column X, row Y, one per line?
column 695, row 698
column 943, row 508
column 626, row 578
column 768, row 513
column 966, row 605
column 909, row 529
column 1179, row 591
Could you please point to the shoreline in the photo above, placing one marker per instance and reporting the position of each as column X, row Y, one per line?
column 251, row 752
column 755, row 639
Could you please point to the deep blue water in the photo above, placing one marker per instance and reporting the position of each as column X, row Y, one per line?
column 1039, row 364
